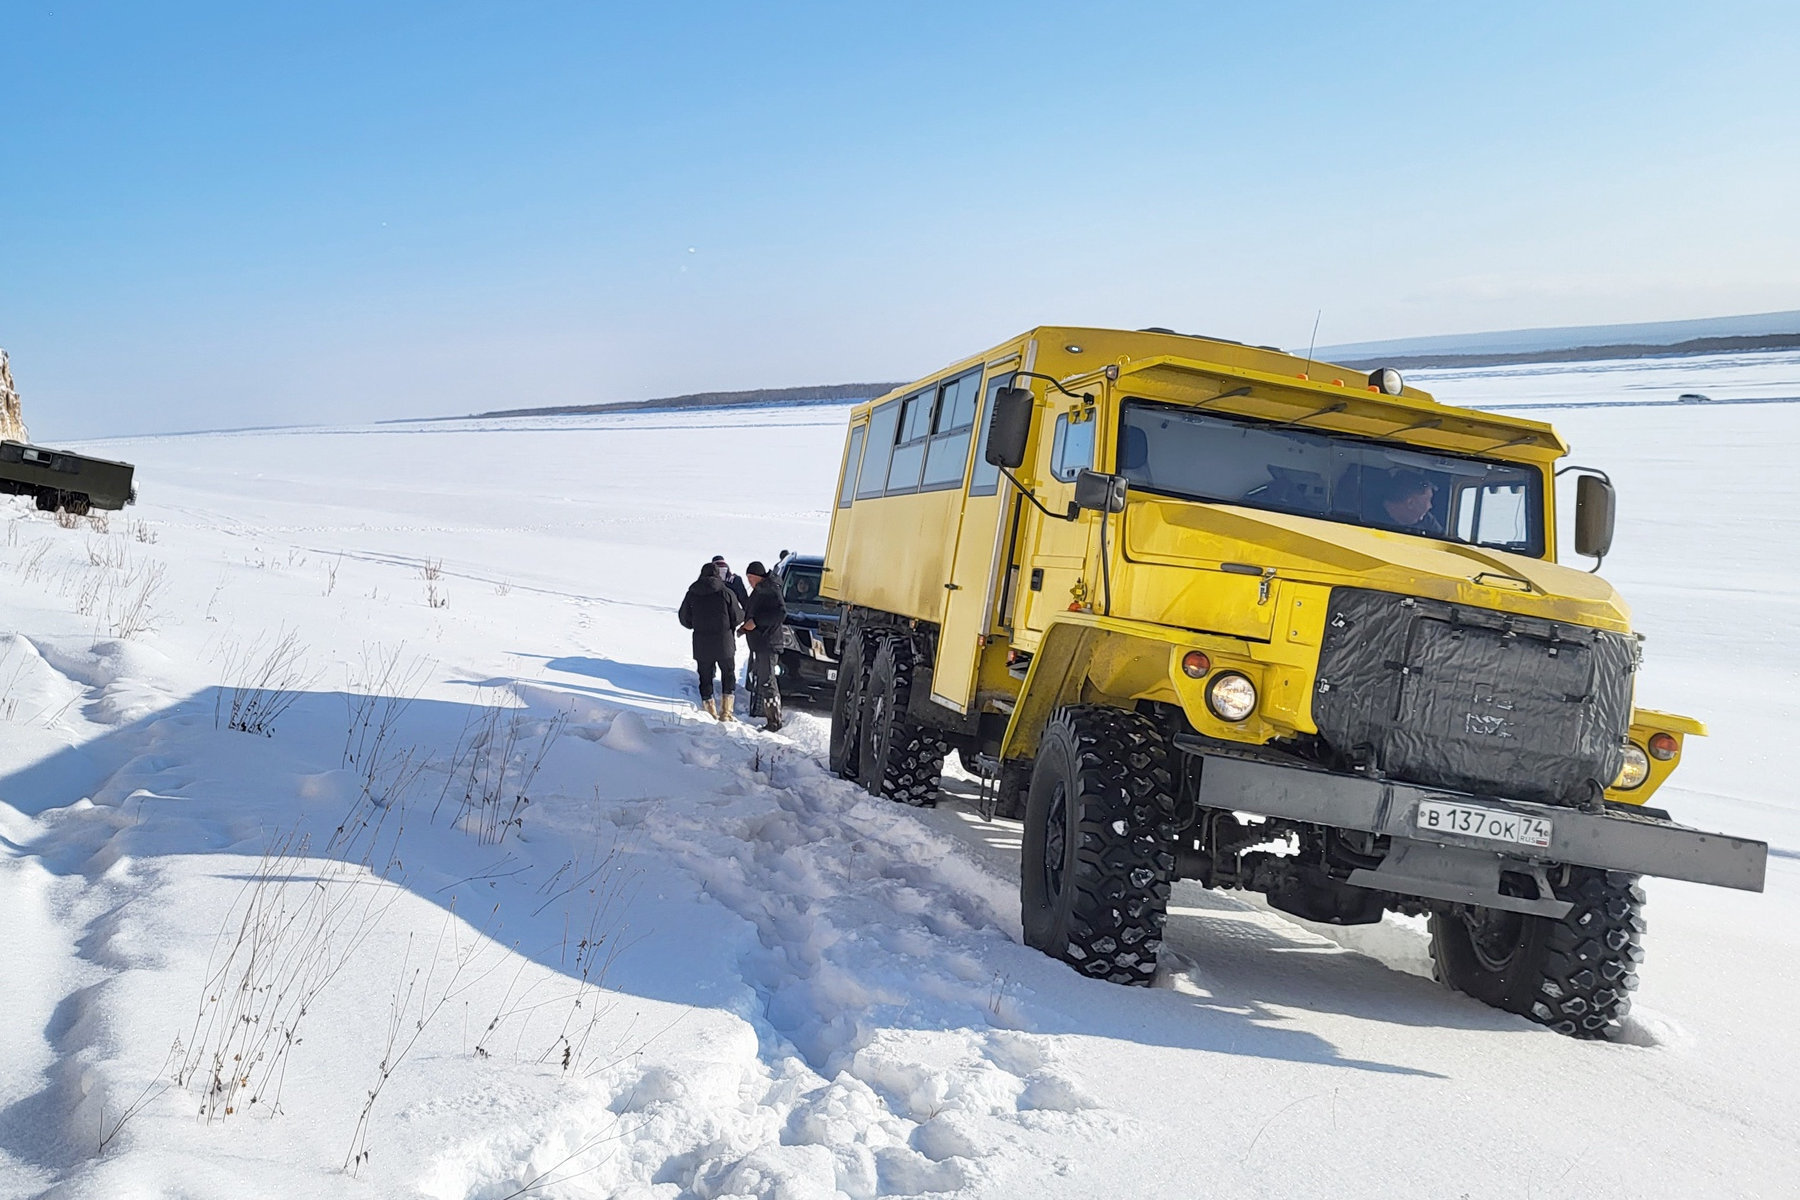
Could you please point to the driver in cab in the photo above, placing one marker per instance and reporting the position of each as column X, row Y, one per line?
column 1406, row 504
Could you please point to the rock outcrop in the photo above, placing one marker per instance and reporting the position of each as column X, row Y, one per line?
column 12, row 419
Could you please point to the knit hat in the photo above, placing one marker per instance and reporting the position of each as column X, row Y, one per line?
column 756, row 568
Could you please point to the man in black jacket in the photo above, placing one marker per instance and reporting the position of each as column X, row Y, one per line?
column 712, row 611
column 763, row 628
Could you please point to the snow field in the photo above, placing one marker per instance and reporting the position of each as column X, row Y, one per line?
column 488, row 864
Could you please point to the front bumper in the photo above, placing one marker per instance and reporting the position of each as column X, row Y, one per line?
column 807, row 672
column 1441, row 865
column 810, row 666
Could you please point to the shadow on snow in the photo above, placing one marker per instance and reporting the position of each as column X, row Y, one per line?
column 175, row 783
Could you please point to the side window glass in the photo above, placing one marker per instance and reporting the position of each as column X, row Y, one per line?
column 916, row 422
column 984, row 479
column 957, row 410
column 877, row 449
column 1073, row 449
column 948, row 454
column 852, row 463
column 909, row 454
column 1494, row 516
column 903, row 474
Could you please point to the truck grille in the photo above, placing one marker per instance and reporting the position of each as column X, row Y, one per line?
column 1469, row 699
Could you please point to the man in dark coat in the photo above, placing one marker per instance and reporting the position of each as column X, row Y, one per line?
column 736, row 583
column 712, row 611
column 763, row 627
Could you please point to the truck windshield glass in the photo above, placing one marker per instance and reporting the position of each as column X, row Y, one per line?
column 1336, row 477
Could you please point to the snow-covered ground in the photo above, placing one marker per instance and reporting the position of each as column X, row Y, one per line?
column 478, row 907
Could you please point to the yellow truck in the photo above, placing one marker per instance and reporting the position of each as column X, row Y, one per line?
column 1201, row 610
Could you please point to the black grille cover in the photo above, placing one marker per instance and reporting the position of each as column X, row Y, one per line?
column 1473, row 700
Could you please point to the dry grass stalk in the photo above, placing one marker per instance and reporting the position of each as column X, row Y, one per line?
column 291, row 931
column 267, row 683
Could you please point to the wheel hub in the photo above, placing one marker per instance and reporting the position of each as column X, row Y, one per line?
column 1055, row 841
column 878, row 722
column 1494, row 935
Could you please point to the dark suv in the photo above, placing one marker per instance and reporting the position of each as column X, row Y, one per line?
column 810, row 669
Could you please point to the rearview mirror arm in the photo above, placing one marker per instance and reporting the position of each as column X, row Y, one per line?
column 1039, row 504
column 1084, row 397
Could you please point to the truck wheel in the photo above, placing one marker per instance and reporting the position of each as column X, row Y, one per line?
column 1099, row 848
column 896, row 758
column 846, row 703
column 45, row 501
column 1574, row 975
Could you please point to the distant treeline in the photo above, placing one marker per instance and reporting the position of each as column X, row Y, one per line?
column 1705, row 345
column 757, row 398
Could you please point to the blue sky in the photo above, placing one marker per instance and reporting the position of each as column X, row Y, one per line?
column 224, row 214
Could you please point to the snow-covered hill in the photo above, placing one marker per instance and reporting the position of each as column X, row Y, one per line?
column 472, row 904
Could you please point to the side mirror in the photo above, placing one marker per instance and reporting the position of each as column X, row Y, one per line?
column 1595, row 502
column 1010, row 427
column 1100, row 492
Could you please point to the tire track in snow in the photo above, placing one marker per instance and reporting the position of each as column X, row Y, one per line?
column 67, row 885
column 888, row 1037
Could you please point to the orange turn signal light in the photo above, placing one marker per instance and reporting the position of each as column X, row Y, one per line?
column 1195, row 665
column 1663, row 746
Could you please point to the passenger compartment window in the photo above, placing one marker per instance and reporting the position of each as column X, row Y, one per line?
column 909, row 455
column 883, row 424
column 852, row 463
column 1073, row 449
column 948, row 454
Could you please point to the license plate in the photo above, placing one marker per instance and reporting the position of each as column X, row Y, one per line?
column 831, row 677
column 1469, row 820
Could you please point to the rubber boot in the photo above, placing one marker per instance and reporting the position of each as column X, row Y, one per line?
column 772, row 711
column 725, row 706
column 706, row 706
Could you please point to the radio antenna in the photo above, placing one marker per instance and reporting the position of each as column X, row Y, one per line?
column 1315, row 341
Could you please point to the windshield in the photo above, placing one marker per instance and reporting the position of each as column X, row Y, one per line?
column 1334, row 476
column 801, row 585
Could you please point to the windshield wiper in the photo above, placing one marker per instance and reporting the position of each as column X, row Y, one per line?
column 1340, row 406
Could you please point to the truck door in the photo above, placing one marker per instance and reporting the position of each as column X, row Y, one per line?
column 970, row 595
column 1055, row 552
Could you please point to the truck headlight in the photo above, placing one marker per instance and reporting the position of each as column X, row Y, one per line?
column 1231, row 696
column 1636, row 769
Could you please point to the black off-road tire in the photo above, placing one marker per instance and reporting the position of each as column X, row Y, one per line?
column 896, row 758
column 846, row 701
column 1011, row 789
column 1099, row 845
column 1574, row 975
